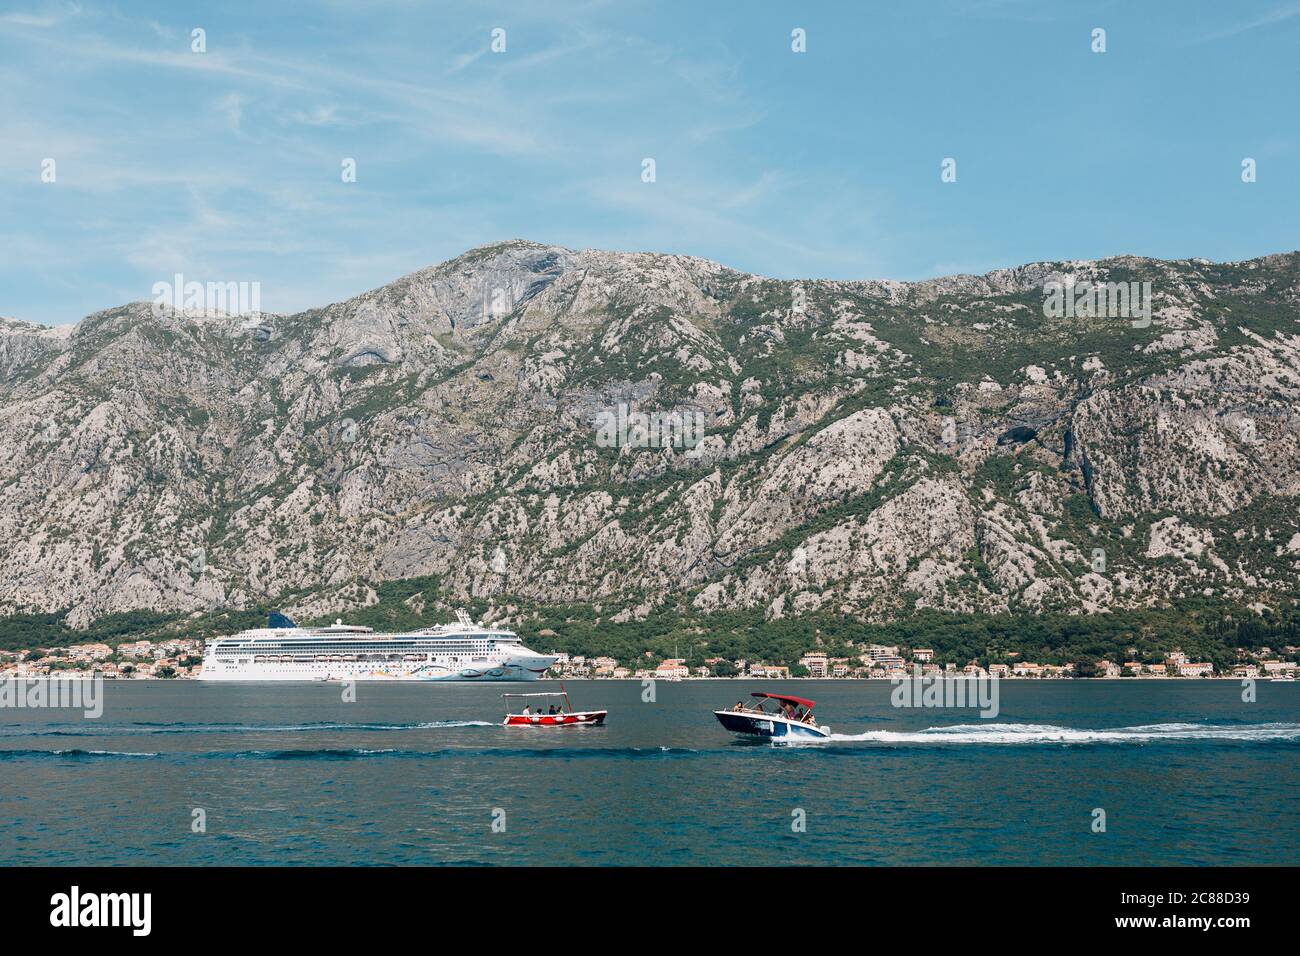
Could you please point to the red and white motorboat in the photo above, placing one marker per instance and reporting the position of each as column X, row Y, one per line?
column 564, row 716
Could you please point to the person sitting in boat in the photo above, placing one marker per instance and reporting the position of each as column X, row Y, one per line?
column 526, row 710
column 740, row 706
column 552, row 710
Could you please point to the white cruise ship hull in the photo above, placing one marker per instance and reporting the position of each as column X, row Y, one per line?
column 286, row 652
column 356, row 672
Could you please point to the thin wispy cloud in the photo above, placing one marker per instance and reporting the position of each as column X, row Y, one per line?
column 319, row 116
column 42, row 17
column 1273, row 17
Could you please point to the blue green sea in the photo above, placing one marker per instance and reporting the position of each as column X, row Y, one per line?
column 187, row 773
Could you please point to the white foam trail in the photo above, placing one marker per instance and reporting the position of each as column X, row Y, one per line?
column 111, row 730
column 1049, row 734
column 106, row 753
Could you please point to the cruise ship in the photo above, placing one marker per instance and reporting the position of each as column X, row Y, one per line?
column 283, row 651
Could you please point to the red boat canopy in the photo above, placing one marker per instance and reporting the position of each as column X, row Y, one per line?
column 799, row 701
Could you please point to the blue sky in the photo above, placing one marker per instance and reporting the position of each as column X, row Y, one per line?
column 225, row 165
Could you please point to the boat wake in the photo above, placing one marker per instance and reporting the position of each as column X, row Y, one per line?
column 363, row 753
column 110, row 730
column 541, row 753
column 1050, row 734
column 73, row 754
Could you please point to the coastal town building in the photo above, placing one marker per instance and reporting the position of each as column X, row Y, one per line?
column 816, row 663
column 674, row 668
column 886, row 661
column 181, row 658
column 1273, row 668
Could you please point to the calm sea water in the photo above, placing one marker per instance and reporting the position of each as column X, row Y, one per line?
column 413, row 774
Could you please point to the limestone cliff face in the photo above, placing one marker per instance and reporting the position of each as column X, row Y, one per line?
column 868, row 447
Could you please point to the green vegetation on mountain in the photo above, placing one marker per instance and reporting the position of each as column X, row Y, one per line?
column 1204, row 630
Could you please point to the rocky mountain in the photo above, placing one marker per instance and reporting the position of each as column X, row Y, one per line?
column 865, row 448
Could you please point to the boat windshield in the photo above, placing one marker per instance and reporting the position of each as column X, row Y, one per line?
column 792, row 708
